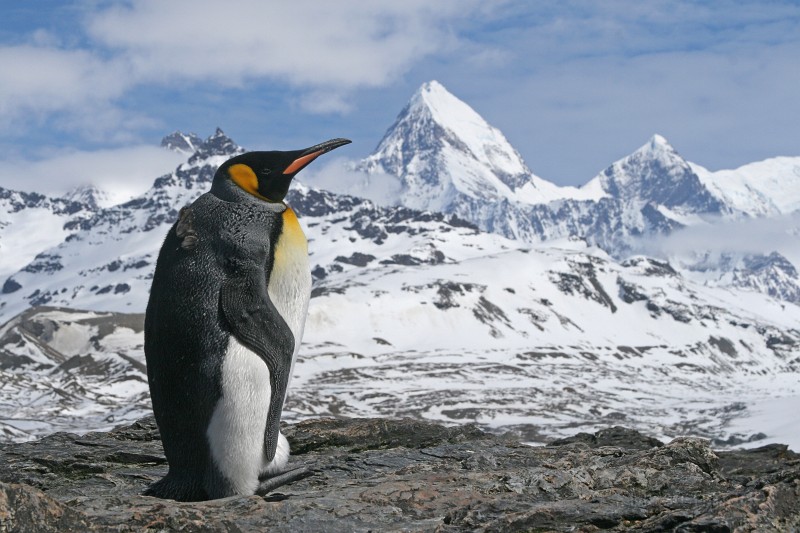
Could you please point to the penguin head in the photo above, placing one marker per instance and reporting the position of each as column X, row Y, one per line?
column 265, row 175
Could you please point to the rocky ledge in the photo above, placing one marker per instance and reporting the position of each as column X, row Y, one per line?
column 406, row 475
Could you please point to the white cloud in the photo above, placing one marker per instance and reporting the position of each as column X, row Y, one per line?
column 338, row 174
column 325, row 50
column 43, row 80
column 325, row 102
column 123, row 172
column 748, row 236
column 344, row 44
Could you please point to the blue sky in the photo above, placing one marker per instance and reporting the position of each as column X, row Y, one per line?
column 90, row 87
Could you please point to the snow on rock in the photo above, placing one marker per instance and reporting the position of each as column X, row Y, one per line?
column 91, row 196
column 432, row 314
column 420, row 314
column 30, row 223
column 764, row 188
column 657, row 173
column 441, row 155
column 185, row 143
column 440, row 147
column 771, row 274
column 67, row 370
column 443, row 151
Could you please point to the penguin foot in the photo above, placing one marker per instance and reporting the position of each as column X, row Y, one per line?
column 284, row 478
column 171, row 488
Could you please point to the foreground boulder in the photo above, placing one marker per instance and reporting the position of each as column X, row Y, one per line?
column 390, row 475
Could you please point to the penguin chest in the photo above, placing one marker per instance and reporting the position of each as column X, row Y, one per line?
column 289, row 285
column 236, row 430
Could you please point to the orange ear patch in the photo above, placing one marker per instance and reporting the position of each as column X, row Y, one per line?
column 245, row 178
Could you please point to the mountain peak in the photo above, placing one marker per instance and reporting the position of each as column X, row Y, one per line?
column 437, row 133
column 185, row 143
column 433, row 93
column 658, row 146
column 216, row 144
column 90, row 195
column 432, row 85
column 447, row 110
column 657, row 173
column 658, row 140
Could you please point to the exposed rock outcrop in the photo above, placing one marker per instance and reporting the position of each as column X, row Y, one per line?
column 392, row 475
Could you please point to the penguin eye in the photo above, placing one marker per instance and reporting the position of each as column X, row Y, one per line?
column 265, row 172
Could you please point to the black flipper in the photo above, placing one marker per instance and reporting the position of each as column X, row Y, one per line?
column 256, row 323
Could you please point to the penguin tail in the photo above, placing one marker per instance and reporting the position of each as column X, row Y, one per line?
column 182, row 490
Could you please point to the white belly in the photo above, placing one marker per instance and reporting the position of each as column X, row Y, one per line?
column 236, row 431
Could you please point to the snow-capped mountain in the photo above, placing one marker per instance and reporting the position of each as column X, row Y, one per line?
column 413, row 313
column 440, row 154
column 510, row 301
column 103, row 257
column 31, row 222
column 454, row 325
column 106, row 261
column 185, row 143
column 771, row 274
column 657, row 174
column 543, row 339
column 765, row 188
column 446, row 154
column 90, row 196
column 64, row 370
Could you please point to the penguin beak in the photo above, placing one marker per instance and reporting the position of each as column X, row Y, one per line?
column 310, row 154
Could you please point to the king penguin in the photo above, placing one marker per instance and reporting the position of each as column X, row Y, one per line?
column 223, row 326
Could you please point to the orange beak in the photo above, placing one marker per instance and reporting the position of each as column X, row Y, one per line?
column 312, row 153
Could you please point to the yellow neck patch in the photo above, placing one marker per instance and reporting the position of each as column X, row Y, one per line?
column 243, row 176
column 291, row 255
column 292, row 239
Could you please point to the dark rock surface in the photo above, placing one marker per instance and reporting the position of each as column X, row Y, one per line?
column 406, row 475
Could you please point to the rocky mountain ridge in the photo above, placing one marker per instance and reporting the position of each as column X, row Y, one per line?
column 657, row 174
column 445, row 160
column 31, row 222
column 441, row 148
